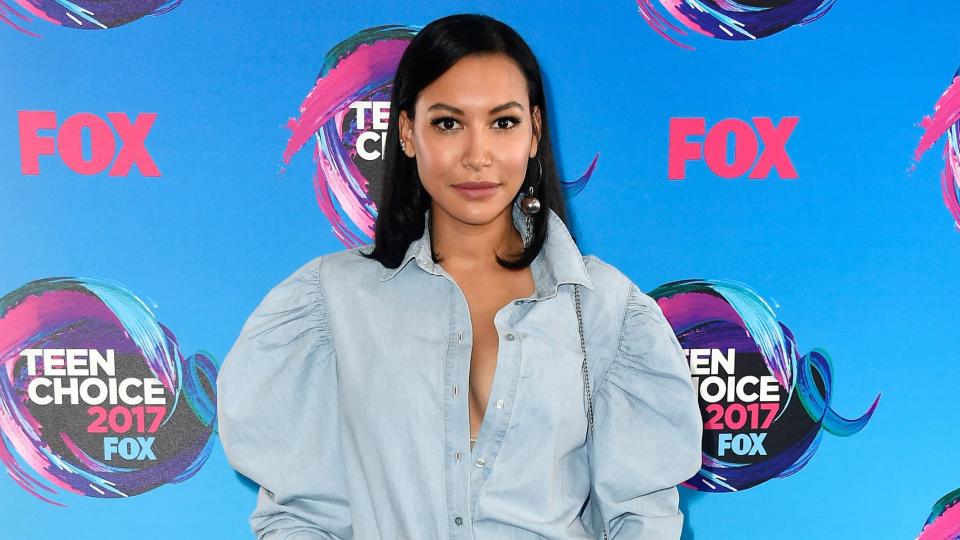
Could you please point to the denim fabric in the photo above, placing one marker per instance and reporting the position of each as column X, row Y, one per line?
column 345, row 399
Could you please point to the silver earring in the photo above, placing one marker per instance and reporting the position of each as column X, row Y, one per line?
column 403, row 145
column 530, row 205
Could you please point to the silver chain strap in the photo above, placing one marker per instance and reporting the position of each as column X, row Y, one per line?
column 586, row 380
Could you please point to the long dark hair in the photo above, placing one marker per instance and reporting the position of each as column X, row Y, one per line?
column 434, row 50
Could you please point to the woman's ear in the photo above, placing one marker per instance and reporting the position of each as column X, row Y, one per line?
column 405, row 132
column 535, row 140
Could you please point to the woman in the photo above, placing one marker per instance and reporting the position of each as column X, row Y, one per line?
column 358, row 385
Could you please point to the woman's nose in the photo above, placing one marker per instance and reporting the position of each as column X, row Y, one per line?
column 477, row 153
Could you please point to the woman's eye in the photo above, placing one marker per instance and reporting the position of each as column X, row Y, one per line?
column 444, row 124
column 507, row 122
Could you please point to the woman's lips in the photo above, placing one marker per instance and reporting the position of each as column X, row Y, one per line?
column 477, row 190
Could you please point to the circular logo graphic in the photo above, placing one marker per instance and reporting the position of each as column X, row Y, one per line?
column 347, row 114
column 95, row 396
column 764, row 407
column 81, row 14
column 729, row 19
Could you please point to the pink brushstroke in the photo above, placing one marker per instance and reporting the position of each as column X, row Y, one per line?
column 946, row 527
column 673, row 7
column 659, row 23
column 338, row 87
column 946, row 113
column 37, row 12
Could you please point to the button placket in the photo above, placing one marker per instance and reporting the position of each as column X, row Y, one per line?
column 457, row 413
column 502, row 391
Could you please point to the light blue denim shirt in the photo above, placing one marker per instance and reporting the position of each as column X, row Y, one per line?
column 345, row 399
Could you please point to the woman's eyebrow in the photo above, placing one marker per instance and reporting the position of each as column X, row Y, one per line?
column 455, row 110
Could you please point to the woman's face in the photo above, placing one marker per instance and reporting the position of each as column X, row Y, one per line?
column 473, row 124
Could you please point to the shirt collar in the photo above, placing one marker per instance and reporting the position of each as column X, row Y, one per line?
column 559, row 261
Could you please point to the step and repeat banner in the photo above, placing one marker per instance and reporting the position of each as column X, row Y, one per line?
column 782, row 176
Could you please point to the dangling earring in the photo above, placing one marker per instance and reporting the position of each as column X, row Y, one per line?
column 530, row 205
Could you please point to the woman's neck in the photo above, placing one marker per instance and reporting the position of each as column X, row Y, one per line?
column 472, row 246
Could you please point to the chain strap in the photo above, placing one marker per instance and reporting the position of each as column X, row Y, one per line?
column 586, row 379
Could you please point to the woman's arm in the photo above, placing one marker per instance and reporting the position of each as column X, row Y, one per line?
column 277, row 410
column 647, row 428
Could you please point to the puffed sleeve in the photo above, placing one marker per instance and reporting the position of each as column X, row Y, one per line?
column 647, row 428
column 277, row 410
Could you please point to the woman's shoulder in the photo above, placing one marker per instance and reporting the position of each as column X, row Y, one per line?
column 346, row 262
column 334, row 276
column 638, row 336
column 613, row 284
column 625, row 306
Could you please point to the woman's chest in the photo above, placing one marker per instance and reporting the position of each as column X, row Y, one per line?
column 405, row 360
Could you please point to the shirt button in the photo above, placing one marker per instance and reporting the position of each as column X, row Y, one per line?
column 480, row 462
column 458, row 520
column 518, row 302
column 460, row 335
column 510, row 337
column 499, row 403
